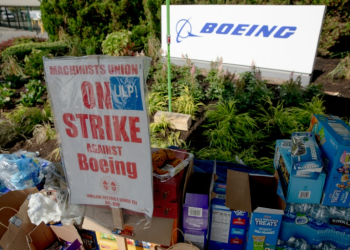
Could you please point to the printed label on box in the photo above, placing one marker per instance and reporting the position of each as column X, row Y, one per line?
column 220, row 226
column 16, row 221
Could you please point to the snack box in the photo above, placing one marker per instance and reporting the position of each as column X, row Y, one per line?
column 196, row 209
column 171, row 170
column 227, row 227
column 262, row 197
column 333, row 136
column 305, row 155
column 296, row 189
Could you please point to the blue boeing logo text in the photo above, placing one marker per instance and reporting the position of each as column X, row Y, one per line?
column 184, row 30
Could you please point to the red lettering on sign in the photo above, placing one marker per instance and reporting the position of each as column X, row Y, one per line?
column 103, row 96
column 119, row 129
column 128, row 169
column 102, row 69
column 82, row 118
column 96, row 126
column 82, row 160
column 93, row 164
column 104, row 166
column 67, row 119
column 134, row 130
column 88, row 94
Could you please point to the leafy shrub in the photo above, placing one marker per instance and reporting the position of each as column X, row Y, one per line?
column 19, row 40
column 342, row 70
column 139, row 36
column 20, row 51
column 33, row 64
column 291, row 92
column 26, row 118
column 156, row 102
column 187, row 103
column 5, row 96
column 117, row 44
column 90, row 19
column 11, row 68
column 14, row 81
column 6, row 44
column 313, row 90
column 28, row 39
column 220, row 84
column 251, row 90
column 8, row 133
column 43, row 133
column 35, row 90
column 303, row 114
column 277, row 120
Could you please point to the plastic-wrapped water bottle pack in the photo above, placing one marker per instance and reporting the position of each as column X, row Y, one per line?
column 21, row 170
column 300, row 244
column 319, row 212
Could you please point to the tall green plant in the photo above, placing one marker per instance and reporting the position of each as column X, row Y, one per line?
column 90, row 19
column 117, row 43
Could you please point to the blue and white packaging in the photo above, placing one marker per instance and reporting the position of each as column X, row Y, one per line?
column 261, row 196
column 296, row 189
column 333, row 136
column 305, row 155
column 227, row 228
column 317, row 224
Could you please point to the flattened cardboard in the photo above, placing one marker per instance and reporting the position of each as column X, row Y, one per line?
column 10, row 204
column 238, row 191
column 247, row 192
column 44, row 236
column 41, row 237
column 67, row 233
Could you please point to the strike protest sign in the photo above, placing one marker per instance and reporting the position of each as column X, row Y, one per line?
column 102, row 121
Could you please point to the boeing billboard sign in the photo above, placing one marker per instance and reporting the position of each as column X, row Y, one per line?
column 283, row 38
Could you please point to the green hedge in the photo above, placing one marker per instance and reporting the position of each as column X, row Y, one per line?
column 21, row 50
column 90, row 18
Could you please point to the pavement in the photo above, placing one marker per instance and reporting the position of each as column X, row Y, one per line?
column 7, row 33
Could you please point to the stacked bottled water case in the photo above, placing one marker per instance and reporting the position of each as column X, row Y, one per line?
column 314, row 226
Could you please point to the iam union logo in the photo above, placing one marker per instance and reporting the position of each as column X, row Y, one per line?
column 109, row 185
column 184, row 30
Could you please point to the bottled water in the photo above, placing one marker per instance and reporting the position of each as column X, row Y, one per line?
column 319, row 212
column 337, row 212
column 300, row 244
column 20, row 171
column 303, row 208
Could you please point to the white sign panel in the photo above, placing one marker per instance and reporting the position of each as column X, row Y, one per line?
column 100, row 112
column 274, row 37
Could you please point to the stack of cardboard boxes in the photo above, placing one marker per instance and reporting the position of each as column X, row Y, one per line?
column 243, row 213
column 319, row 209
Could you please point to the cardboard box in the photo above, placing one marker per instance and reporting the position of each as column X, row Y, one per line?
column 160, row 231
column 196, row 208
column 299, row 225
column 296, row 190
column 165, row 209
column 333, row 136
column 305, row 155
column 170, row 190
column 227, row 228
column 20, row 233
column 43, row 237
column 263, row 198
column 13, row 215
